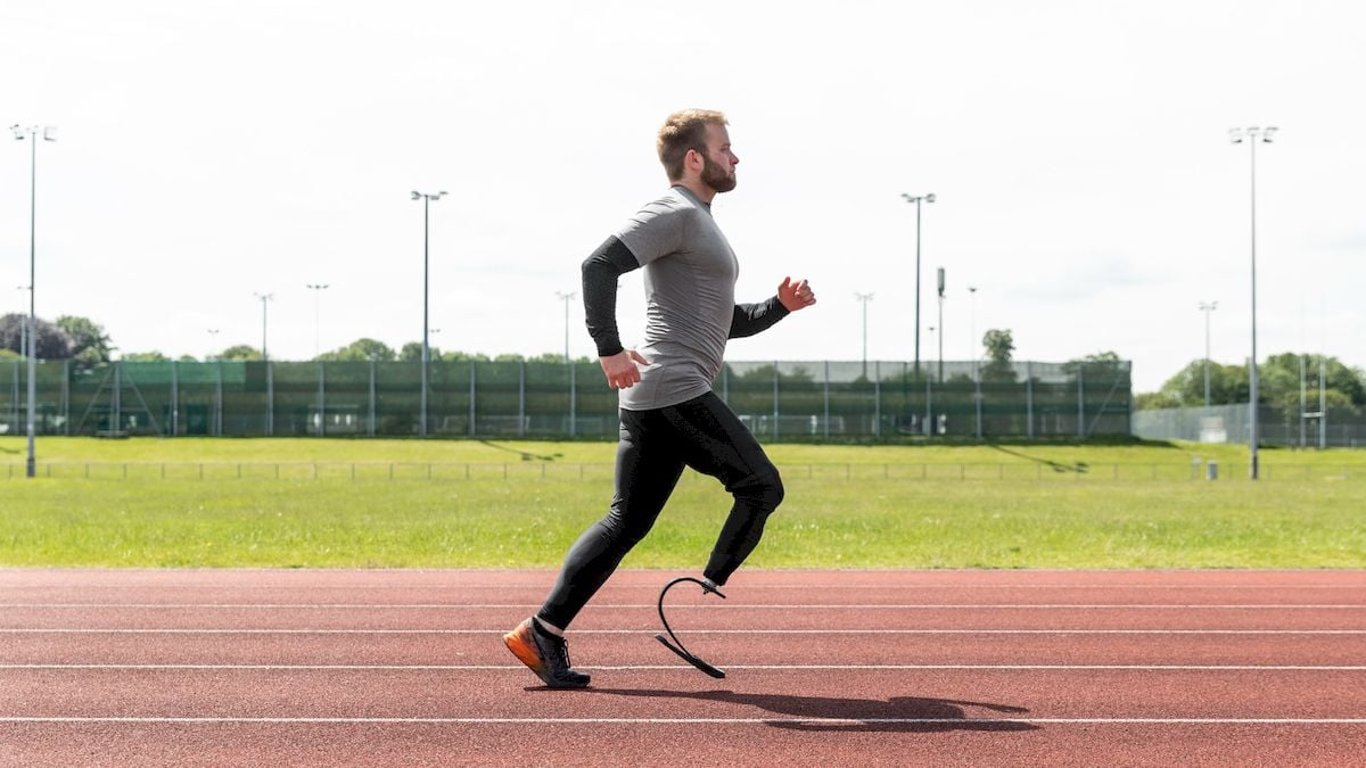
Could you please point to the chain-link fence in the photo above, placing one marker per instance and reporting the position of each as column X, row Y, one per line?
column 1338, row 427
column 776, row 400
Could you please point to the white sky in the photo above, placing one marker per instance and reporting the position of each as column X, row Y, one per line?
column 1086, row 184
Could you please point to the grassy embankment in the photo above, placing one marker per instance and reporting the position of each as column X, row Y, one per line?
column 351, row 503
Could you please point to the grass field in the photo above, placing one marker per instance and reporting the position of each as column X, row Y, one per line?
column 352, row 503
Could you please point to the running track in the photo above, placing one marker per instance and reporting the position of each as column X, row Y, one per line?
column 406, row 668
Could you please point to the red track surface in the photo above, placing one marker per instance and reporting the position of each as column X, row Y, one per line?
column 406, row 668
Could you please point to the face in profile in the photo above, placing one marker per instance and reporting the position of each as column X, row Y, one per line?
column 718, row 162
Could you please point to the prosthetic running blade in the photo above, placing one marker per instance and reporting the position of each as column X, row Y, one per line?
column 677, row 645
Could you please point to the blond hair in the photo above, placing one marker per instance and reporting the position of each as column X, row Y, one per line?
column 681, row 132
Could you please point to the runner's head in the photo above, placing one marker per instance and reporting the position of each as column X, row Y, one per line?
column 694, row 145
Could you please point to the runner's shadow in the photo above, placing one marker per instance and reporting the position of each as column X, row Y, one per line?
column 1080, row 467
column 899, row 714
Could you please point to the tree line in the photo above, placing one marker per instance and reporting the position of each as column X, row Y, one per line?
column 86, row 343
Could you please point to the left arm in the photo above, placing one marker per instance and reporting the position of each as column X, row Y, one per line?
column 750, row 319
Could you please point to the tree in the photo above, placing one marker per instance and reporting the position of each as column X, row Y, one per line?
column 91, row 345
column 412, row 352
column 144, row 357
column 999, row 347
column 360, row 350
column 463, row 357
column 53, row 342
column 1278, row 384
column 1098, row 367
column 240, row 352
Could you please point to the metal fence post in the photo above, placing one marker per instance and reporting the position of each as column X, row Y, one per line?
column 775, row 399
column 175, row 402
column 521, row 398
column 370, row 421
column 827, row 398
column 270, row 399
column 322, row 399
column 1029, row 400
column 1081, row 401
column 472, row 385
column 877, row 398
column 216, row 428
column 115, row 402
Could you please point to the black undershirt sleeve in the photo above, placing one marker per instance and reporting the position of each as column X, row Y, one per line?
column 750, row 319
column 601, row 270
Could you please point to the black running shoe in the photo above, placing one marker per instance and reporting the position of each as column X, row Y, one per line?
column 545, row 654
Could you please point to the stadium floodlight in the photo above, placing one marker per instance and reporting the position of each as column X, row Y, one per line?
column 573, row 385
column 917, row 199
column 49, row 133
column 264, row 297
column 1252, row 136
column 976, row 372
column 317, row 289
column 864, row 298
column 1207, row 307
column 426, row 199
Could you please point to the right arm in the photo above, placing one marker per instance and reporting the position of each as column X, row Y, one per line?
column 601, row 271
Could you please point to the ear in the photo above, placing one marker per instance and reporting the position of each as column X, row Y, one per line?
column 694, row 161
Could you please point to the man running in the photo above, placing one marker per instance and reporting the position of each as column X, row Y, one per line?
column 670, row 418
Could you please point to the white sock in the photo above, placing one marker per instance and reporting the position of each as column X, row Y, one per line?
column 556, row 631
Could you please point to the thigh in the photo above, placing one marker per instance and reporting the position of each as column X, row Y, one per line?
column 648, row 466
column 714, row 442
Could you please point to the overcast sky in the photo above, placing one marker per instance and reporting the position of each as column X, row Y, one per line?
column 1086, row 184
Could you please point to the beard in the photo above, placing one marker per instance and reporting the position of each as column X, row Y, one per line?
column 714, row 177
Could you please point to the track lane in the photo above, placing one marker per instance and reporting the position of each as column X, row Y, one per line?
column 992, row 712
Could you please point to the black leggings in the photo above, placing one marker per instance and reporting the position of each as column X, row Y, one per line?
column 655, row 446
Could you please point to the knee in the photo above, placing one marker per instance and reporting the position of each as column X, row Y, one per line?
column 764, row 489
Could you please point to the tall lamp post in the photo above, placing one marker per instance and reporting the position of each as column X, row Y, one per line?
column 976, row 375
column 265, row 298
column 1207, row 307
column 573, row 394
column 929, row 410
column 49, row 133
column 426, row 199
column 1253, row 136
column 317, row 289
column 864, row 298
column 917, row 199
column 941, row 325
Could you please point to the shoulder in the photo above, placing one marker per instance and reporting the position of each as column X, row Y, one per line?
column 672, row 205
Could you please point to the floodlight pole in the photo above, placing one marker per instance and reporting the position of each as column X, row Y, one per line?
column 929, row 410
column 573, row 394
column 864, row 298
column 1207, row 307
column 47, row 131
column 917, row 199
column 264, row 297
column 317, row 289
column 941, row 325
column 1253, row 136
column 426, row 199
column 976, row 373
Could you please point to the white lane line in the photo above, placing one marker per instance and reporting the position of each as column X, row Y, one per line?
column 684, row 667
column 716, row 606
column 947, row 721
column 502, row 631
column 541, row 586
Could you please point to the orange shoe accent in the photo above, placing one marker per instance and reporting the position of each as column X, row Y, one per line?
column 524, row 648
